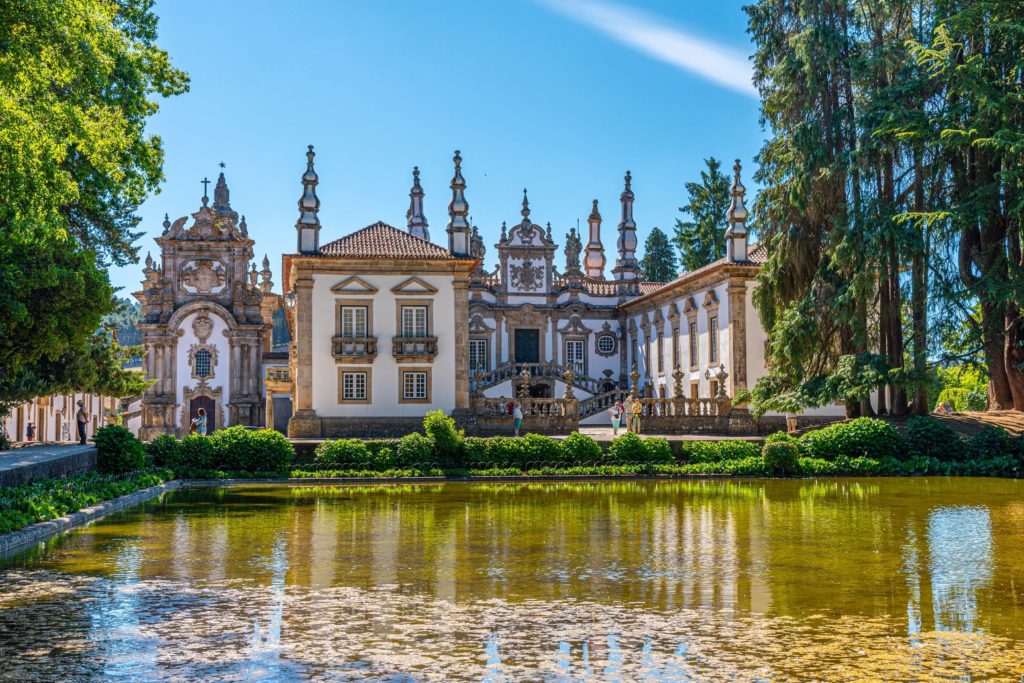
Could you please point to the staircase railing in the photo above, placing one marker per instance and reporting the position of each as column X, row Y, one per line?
column 601, row 402
column 511, row 371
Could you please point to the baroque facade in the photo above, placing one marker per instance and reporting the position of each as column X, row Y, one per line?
column 387, row 325
column 206, row 322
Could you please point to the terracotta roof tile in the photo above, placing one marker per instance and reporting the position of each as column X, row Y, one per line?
column 381, row 240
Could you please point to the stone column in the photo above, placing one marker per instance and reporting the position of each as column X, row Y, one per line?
column 738, row 333
column 269, row 411
column 304, row 422
column 461, row 287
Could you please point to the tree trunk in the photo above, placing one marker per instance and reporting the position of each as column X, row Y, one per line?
column 919, row 295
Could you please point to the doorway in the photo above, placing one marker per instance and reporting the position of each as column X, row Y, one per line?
column 206, row 403
column 527, row 346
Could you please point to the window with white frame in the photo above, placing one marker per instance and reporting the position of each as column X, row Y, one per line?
column 478, row 355
column 693, row 344
column 353, row 386
column 713, row 339
column 414, row 386
column 414, row 321
column 353, row 321
column 606, row 344
column 575, row 355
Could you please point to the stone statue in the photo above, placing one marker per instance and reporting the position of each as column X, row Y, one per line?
column 573, row 247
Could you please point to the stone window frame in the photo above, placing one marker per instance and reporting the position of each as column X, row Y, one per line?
column 575, row 337
column 694, row 389
column 486, row 339
column 195, row 349
column 400, row 304
column 402, row 372
column 348, row 370
column 693, row 333
column 606, row 334
column 353, row 303
column 714, row 337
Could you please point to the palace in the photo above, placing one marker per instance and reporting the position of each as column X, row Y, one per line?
column 385, row 325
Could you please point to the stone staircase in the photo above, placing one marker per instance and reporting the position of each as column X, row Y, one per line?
column 513, row 371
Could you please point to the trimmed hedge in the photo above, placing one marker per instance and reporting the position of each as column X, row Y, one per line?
column 232, row 449
column 863, row 437
column 716, row 451
column 781, row 457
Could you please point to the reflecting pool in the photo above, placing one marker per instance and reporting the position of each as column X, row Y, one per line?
column 837, row 579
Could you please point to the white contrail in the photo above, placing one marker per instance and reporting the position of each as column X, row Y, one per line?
column 656, row 38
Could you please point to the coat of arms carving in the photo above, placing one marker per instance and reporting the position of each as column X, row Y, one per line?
column 527, row 276
column 203, row 276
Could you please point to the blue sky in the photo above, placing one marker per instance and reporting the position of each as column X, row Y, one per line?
column 559, row 96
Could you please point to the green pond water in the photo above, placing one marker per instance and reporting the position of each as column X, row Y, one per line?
column 837, row 579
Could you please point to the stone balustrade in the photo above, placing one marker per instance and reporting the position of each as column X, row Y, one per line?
column 354, row 349
column 414, row 349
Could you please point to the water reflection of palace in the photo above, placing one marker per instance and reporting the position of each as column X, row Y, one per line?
column 570, row 575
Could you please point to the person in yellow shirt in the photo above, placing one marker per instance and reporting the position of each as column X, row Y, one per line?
column 634, row 419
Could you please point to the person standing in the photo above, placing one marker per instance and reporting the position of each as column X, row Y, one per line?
column 616, row 412
column 634, row 420
column 82, row 418
column 517, row 416
column 199, row 422
column 30, row 432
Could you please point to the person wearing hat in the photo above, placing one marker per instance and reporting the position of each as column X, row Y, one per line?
column 82, row 418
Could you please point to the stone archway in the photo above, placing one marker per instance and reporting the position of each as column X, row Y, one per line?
column 202, row 396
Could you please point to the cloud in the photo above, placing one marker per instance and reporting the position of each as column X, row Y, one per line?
column 655, row 38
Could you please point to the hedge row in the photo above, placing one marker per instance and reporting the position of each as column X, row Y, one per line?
column 861, row 446
column 235, row 449
column 40, row 501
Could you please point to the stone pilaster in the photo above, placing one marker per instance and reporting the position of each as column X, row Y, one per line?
column 461, row 287
column 305, row 422
column 738, row 333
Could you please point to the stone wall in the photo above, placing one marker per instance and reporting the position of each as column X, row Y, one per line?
column 22, row 465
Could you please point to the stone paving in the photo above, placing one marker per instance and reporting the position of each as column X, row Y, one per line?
column 20, row 465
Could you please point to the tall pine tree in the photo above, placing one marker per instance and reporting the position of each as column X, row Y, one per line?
column 659, row 261
column 701, row 239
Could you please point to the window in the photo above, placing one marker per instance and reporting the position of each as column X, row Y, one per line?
column 661, row 352
column 478, row 355
column 353, row 386
column 353, row 321
column 414, row 321
column 693, row 345
column 714, row 388
column 575, row 354
column 713, row 339
column 606, row 344
column 675, row 347
column 694, row 390
column 203, row 364
column 414, row 386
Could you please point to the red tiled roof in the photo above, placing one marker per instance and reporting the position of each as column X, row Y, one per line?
column 758, row 253
column 382, row 241
column 646, row 287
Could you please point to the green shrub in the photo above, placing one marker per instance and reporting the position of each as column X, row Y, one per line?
column 347, row 452
column 415, row 450
column 385, row 459
column 195, row 451
column 933, row 438
column 627, row 448
column 118, row 451
column 658, row 450
column 237, row 448
column 447, row 438
column 507, row 451
column 989, row 443
column 716, row 451
column 474, row 451
column 164, row 451
column 580, row 448
column 5, row 441
column 781, row 457
column 865, row 436
column 543, row 449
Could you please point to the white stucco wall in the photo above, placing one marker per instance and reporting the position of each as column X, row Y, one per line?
column 385, row 387
column 221, row 370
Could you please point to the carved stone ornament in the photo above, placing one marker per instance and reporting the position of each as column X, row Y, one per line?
column 528, row 276
column 202, row 327
column 204, row 276
column 526, row 234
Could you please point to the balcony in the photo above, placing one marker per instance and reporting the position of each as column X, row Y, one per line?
column 414, row 349
column 354, row 349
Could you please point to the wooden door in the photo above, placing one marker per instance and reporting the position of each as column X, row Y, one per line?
column 527, row 346
column 206, row 403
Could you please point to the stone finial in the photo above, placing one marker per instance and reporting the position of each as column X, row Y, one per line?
column 253, row 276
column 167, row 223
column 221, row 195
column 524, row 382
column 548, row 234
column 149, row 262
column 526, row 208
column 594, row 260
column 626, row 267
column 736, row 233
column 416, row 220
column 634, row 376
column 308, row 225
column 205, row 183
column 569, row 378
column 266, row 284
column 677, row 376
column 458, row 211
column 504, row 232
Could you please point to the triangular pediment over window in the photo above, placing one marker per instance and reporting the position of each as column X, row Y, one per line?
column 353, row 285
column 414, row 286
